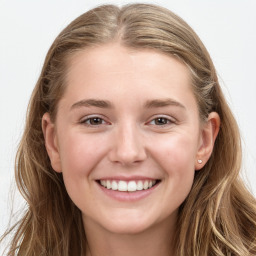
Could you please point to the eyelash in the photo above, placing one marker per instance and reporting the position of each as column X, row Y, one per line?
column 89, row 121
column 166, row 121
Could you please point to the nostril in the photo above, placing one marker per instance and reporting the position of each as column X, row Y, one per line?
column 127, row 157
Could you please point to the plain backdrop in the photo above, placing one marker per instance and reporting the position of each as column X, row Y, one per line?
column 27, row 29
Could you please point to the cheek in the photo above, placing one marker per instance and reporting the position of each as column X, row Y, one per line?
column 177, row 153
column 176, row 156
column 80, row 153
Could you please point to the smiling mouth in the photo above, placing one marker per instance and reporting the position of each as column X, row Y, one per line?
column 128, row 186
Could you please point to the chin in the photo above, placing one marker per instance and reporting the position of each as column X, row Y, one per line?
column 127, row 228
column 128, row 225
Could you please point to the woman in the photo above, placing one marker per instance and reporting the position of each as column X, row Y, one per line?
column 129, row 146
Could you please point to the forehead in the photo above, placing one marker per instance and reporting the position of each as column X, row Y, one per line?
column 111, row 70
column 115, row 58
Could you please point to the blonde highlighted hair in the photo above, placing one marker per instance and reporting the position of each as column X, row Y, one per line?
column 219, row 215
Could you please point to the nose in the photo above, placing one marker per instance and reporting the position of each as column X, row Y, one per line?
column 128, row 146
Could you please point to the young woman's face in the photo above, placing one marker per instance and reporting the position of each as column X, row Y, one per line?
column 128, row 121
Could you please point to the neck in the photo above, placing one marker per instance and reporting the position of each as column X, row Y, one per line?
column 157, row 240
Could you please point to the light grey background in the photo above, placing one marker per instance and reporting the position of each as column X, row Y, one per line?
column 27, row 29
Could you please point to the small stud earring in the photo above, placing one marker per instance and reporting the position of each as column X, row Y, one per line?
column 199, row 161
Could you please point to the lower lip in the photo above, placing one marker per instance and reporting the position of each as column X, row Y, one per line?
column 128, row 196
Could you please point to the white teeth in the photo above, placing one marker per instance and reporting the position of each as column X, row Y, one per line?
column 103, row 183
column 122, row 186
column 139, row 185
column 114, row 185
column 108, row 184
column 145, row 185
column 130, row 186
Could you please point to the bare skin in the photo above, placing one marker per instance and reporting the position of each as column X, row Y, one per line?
column 128, row 116
column 145, row 243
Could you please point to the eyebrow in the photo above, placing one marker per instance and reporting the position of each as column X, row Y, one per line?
column 92, row 103
column 158, row 103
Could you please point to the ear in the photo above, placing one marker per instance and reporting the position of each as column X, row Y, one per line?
column 209, row 133
column 51, row 143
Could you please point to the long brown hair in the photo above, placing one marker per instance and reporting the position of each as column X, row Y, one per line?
column 219, row 215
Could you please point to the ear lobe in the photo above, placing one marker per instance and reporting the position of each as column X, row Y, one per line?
column 51, row 144
column 209, row 134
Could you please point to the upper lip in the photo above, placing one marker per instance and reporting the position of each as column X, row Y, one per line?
column 127, row 178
